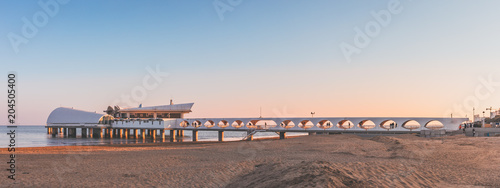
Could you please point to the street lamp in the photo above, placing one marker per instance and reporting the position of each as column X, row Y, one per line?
column 312, row 114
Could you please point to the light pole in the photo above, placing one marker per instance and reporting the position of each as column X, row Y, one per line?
column 312, row 114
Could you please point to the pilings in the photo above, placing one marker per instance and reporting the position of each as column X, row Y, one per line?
column 221, row 136
column 180, row 133
column 282, row 135
column 162, row 133
column 84, row 132
column 195, row 135
column 172, row 135
column 146, row 133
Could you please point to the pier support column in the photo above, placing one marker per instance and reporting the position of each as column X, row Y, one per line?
column 221, row 136
column 84, row 132
column 53, row 131
column 48, row 130
column 72, row 132
column 282, row 135
column 91, row 132
column 103, row 131
column 111, row 132
column 136, row 134
column 162, row 133
column 143, row 132
column 65, row 131
column 195, row 135
column 127, row 132
column 121, row 132
column 172, row 135
column 180, row 133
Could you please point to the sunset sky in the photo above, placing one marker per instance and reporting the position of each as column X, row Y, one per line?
column 430, row 59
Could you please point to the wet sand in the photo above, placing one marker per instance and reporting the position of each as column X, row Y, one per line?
column 309, row 161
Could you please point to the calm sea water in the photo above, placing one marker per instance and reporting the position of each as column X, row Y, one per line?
column 36, row 136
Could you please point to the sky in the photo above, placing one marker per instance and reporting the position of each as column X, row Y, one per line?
column 241, row 58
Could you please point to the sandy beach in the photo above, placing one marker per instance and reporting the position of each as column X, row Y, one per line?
column 308, row 161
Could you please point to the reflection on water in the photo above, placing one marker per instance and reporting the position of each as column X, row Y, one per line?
column 36, row 136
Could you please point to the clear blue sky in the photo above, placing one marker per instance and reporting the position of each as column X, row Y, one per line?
column 283, row 56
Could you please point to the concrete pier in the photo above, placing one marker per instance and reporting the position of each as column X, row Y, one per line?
column 221, row 136
column 162, row 133
column 143, row 133
column 71, row 132
column 84, row 132
column 180, row 133
column 172, row 135
column 195, row 135
column 136, row 134
column 282, row 135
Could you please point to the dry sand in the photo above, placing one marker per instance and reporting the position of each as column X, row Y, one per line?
column 309, row 161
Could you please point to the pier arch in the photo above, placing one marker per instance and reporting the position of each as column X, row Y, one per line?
column 252, row 124
column 388, row 124
column 306, row 124
column 184, row 124
column 209, row 124
column 411, row 124
column 223, row 124
column 265, row 124
column 345, row 124
column 196, row 123
column 238, row 124
column 287, row 124
column 366, row 124
column 324, row 124
column 434, row 124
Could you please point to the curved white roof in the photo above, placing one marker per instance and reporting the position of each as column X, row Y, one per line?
column 63, row 115
column 167, row 108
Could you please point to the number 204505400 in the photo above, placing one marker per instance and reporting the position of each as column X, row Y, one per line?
column 11, row 101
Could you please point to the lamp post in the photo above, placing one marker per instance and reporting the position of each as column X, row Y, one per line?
column 312, row 114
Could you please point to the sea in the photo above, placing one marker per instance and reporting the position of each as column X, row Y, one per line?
column 36, row 136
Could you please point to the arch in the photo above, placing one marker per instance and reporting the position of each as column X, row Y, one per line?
column 252, row 124
column 434, row 124
column 345, row 124
column 223, row 124
column 388, row 124
column 196, row 123
column 184, row 123
column 106, row 120
column 265, row 124
column 306, row 124
column 238, row 124
column 411, row 124
column 366, row 124
column 324, row 124
column 209, row 123
column 287, row 124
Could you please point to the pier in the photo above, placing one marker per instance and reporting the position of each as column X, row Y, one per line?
column 155, row 122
